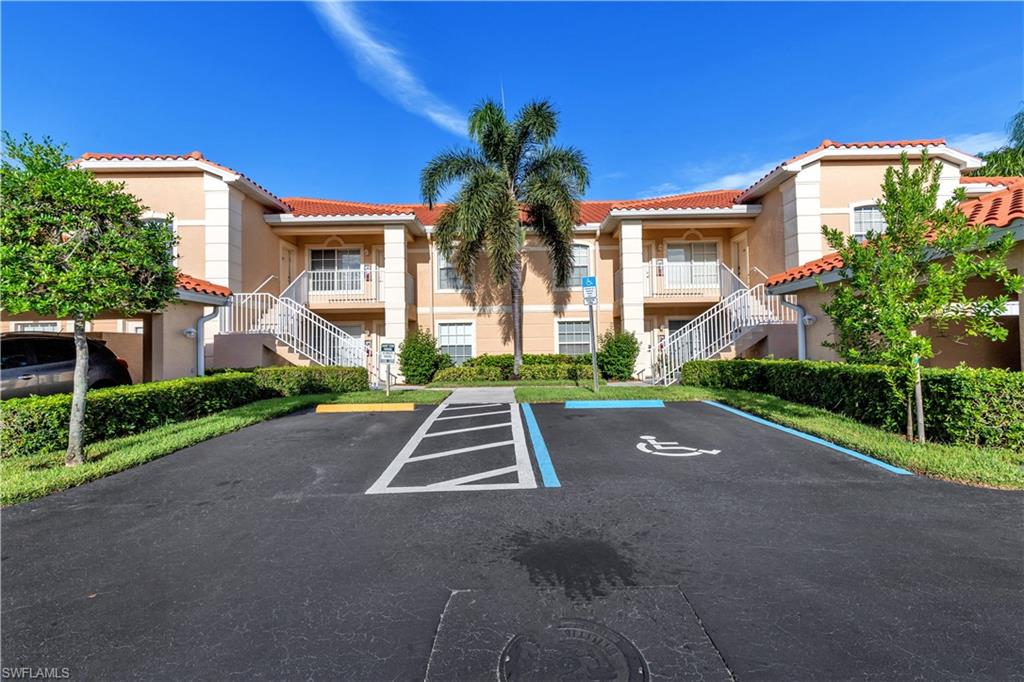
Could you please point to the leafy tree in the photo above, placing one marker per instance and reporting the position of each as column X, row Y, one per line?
column 1008, row 160
column 618, row 354
column 419, row 357
column 514, row 177
column 915, row 272
column 73, row 247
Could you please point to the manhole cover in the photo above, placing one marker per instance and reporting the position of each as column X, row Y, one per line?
column 573, row 650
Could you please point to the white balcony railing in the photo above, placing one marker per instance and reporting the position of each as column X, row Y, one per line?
column 696, row 280
column 327, row 287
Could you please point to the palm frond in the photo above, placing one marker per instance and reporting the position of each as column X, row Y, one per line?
column 568, row 163
column 536, row 123
column 489, row 128
column 446, row 168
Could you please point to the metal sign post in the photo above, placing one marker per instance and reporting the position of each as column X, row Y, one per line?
column 387, row 356
column 590, row 298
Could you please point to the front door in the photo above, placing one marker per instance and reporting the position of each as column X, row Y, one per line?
column 289, row 260
column 739, row 257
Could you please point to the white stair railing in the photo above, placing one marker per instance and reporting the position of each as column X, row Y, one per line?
column 294, row 325
column 717, row 328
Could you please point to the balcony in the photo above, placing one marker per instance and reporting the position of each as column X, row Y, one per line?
column 362, row 287
column 666, row 282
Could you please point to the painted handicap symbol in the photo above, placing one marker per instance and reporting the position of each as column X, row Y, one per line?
column 652, row 446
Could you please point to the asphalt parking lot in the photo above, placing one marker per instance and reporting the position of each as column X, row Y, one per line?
column 675, row 542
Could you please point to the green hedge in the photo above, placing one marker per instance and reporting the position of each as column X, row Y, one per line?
column 306, row 380
column 506, row 362
column 419, row 358
column 962, row 406
column 29, row 425
column 467, row 375
column 557, row 372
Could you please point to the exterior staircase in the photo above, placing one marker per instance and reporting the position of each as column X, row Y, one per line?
column 300, row 336
column 726, row 329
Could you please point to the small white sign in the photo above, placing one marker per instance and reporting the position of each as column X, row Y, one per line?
column 387, row 354
column 589, row 290
column 653, row 446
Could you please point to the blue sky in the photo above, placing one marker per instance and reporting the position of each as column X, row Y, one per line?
column 349, row 101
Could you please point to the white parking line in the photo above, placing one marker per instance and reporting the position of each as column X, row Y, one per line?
column 470, row 416
column 475, row 481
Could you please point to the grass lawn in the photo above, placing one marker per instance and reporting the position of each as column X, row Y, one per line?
column 26, row 478
column 990, row 467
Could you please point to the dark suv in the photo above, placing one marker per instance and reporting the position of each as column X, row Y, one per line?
column 37, row 363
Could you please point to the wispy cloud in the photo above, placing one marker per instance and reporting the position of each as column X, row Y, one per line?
column 740, row 180
column 659, row 190
column 976, row 143
column 383, row 68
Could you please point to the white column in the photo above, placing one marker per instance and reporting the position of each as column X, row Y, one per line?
column 949, row 180
column 223, row 227
column 395, row 268
column 631, row 265
column 801, row 211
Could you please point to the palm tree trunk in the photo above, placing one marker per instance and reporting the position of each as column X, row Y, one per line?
column 516, row 282
column 73, row 456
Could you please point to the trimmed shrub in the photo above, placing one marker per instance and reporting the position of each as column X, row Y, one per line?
column 467, row 375
column 419, row 358
column 962, row 406
column 557, row 372
column 305, row 380
column 617, row 357
column 29, row 425
column 505, row 362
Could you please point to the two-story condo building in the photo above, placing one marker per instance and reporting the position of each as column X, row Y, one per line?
column 328, row 281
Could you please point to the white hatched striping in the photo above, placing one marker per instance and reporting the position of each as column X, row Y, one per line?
column 476, row 481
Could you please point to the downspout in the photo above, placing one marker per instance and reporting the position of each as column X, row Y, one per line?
column 200, row 345
column 801, row 329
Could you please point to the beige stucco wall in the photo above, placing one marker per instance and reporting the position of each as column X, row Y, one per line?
column 949, row 352
column 170, row 353
column 765, row 237
column 261, row 251
column 180, row 193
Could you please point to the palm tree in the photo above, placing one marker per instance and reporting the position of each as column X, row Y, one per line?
column 513, row 178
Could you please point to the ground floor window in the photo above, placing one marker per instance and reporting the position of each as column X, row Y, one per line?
column 456, row 339
column 574, row 337
column 36, row 326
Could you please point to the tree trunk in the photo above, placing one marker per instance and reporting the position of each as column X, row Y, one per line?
column 74, row 455
column 910, row 417
column 516, row 282
column 919, row 398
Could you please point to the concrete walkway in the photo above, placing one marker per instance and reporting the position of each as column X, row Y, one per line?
column 497, row 394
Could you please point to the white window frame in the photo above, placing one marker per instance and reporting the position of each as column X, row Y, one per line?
column 310, row 248
column 51, row 326
column 437, row 275
column 154, row 216
column 472, row 333
column 591, row 265
column 853, row 215
column 690, row 242
column 557, row 320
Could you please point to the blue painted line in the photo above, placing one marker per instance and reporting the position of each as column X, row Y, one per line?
column 813, row 439
column 540, row 450
column 610, row 404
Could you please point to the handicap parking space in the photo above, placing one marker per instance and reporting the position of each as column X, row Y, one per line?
column 691, row 441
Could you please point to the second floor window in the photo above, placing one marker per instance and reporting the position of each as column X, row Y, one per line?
column 866, row 219
column 334, row 259
column 581, row 264
column 447, row 277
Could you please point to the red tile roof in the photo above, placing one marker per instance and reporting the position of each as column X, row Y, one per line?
column 191, row 156
column 990, row 179
column 304, row 206
column 717, row 198
column 590, row 211
column 201, row 286
column 997, row 209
